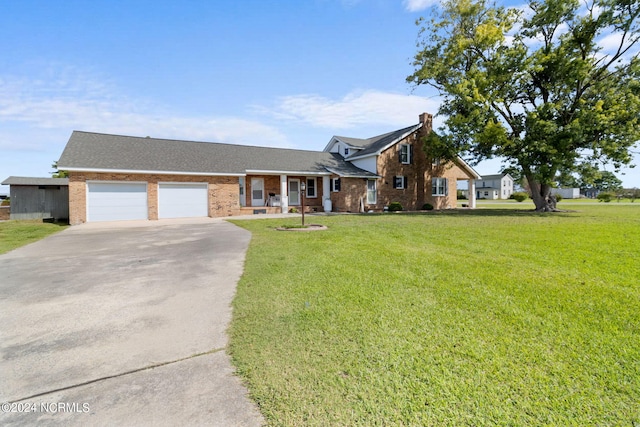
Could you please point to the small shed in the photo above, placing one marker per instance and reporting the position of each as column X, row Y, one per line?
column 38, row 198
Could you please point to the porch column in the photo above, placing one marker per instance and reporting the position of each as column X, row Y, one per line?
column 284, row 198
column 326, row 188
column 472, row 193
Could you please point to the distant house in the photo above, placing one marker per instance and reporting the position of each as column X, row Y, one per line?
column 493, row 187
column 114, row 177
column 38, row 198
column 567, row 193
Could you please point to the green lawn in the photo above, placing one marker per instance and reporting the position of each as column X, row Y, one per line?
column 14, row 234
column 485, row 317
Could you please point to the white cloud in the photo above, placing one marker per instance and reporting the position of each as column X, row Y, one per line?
column 69, row 99
column 418, row 5
column 354, row 110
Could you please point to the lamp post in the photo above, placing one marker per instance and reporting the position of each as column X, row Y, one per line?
column 303, row 189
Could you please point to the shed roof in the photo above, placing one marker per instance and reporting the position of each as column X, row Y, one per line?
column 98, row 152
column 27, row 180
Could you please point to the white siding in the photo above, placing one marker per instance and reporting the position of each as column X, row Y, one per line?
column 366, row 163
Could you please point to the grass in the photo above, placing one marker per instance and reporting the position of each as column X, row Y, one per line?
column 485, row 317
column 14, row 234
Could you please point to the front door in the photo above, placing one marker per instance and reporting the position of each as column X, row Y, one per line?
column 294, row 192
column 257, row 192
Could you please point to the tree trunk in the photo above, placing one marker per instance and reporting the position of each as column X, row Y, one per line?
column 541, row 195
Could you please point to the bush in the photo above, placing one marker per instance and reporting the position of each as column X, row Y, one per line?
column 427, row 207
column 293, row 210
column 558, row 197
column 520, row 196
column 605, row 197
column 395, row 207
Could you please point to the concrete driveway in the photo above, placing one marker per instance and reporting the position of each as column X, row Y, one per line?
column 123, row 324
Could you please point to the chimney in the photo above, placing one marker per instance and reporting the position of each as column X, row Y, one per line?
column 427, row 121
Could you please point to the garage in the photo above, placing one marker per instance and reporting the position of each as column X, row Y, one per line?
column 182, row 200
column 116, row 201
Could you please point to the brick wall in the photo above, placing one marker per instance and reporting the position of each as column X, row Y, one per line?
column 348, row 198
column 223, row 192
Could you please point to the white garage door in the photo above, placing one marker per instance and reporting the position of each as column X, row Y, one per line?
column 182, row 200
column 115, row 201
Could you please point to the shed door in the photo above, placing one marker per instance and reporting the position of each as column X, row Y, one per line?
column 182, row 200
column 115, row 201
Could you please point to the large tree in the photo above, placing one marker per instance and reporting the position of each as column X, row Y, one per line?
column 548, row 87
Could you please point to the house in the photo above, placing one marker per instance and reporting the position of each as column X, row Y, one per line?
column 113, row 177
column 38, row 198
column 567, row 193
column 494, row 187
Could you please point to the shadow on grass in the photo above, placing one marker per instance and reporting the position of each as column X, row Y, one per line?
column 485, row 212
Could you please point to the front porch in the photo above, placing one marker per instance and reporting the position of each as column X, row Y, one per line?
column 281, row 193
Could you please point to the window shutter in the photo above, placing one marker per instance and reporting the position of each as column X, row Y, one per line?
column 410, row 153
column 395, row 182
column 446, row 186
column 400, row 153
column 404, row 182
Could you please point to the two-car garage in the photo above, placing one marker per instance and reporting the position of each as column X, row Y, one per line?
column 115, row 201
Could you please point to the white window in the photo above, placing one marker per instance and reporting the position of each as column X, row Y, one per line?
column 405, row 154
column 439, row 187
column 372, row 194
column 335, row 184
column 311, row 188
column 436, row 161
column 400, row 182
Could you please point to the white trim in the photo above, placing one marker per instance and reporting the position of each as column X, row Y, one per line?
column 334, row 172
column 375, row 191
column 315, row 187
column 274, row 172
column 150, row 172
column 299, row 191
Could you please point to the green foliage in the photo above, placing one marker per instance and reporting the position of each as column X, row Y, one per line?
column 547, row 106
column 395, row 207
column 427, row 207
column 605, row 197
column 411, row 333
column 58, row 173
column 558, row 197
column 519, row 196
column 293, row 210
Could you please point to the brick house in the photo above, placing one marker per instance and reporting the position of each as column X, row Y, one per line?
column 114, row 177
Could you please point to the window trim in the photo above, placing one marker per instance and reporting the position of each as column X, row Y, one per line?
column 374, row 192
column 437, row 184
column 403, row 182
column 407, row 154
column 314, row 186
column 335, row 185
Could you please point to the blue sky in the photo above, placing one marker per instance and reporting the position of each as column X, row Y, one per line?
column 272, row 73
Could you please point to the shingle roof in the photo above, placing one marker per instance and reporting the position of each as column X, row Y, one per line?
column 94, row 151
column 26, row 180
column 497, row 176
column 377, row 144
